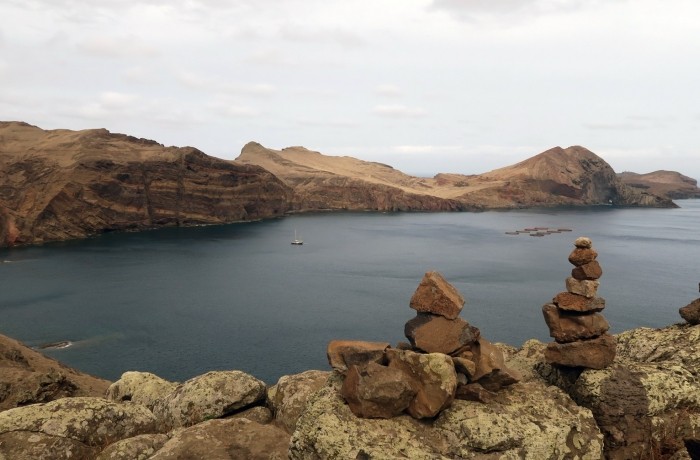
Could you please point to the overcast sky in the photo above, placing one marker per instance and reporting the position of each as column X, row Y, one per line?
column 423, row 85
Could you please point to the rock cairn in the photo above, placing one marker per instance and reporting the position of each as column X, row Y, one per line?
column 574, row 318
column 446, row 359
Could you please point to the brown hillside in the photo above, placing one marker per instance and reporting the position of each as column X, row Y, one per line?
column 670, row 184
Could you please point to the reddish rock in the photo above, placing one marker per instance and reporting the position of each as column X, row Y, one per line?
column 376, row 391
column 568, row 327
column 691, row 312
column 344, row 353
column 581, row 256
column 437, row 334
column 465, row 366
column 586, row 288
column 433, row 377
column 435, row 295
column 500, row 378
column 583, row 242
column 474, row 392
column 596, row 353
column 589, row 271
column 491, row 371
column 578, row 303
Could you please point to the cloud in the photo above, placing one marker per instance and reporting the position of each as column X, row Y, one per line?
column 295, row 32
column 388, row 90
column 474, row 9
column 398, row 111
column 423, row 149
column 223, row 85
column 614, row 126
column 230, row 110
column 327, row 123
column 116, row 47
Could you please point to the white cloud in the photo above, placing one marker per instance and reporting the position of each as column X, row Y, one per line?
column 116, row 47
column 423, row 149
column 388, row 90
column 233, row 111
column 215, row 83
column 398, row 111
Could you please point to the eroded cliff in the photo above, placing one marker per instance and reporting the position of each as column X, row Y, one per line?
column 670, row 184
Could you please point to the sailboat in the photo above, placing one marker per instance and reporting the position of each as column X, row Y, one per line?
column 297, row 241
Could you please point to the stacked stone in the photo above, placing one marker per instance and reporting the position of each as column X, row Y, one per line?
column 446, row 359
column 574, row 318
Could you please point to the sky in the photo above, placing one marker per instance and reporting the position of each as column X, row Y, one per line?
column 426, row 86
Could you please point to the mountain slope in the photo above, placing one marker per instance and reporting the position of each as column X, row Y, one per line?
column 670, row 184
column 63, row 184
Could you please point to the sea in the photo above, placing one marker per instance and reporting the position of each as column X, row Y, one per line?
column 179, row 302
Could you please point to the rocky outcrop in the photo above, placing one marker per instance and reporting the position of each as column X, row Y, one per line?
column 288, row 397
column 669, row 184
column 573, row 320
column 140, row 387
column 62, row 184
column 28, row 377
column 140, row 447
column 691, row 312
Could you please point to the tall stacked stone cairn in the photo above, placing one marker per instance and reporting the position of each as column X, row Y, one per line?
column 574, row 318
column 446, row 359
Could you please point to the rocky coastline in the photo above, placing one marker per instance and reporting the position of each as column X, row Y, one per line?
column 447, row 393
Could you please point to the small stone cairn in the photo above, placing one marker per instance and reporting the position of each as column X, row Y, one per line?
column 446, row 359
column 574, row 318
column 691, row 312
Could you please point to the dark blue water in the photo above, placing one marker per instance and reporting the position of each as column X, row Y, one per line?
column 180, row 302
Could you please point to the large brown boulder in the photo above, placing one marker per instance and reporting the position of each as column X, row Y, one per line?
column 141, row 388
column 234, row 439
column 344, row 353
column 595, row 353
column 140, row 447
column 437, row 334
column 435, row 295
column 432, row 376
column 289, row 396
column 567, row 327
column 578, row 303
column 211, row 395
column 691, row 312
column 376, row 391
column 28, row 445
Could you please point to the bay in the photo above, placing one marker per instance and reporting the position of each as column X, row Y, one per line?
column 182, row 301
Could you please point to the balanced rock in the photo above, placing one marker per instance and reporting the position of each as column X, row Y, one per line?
column 437, row 334
column 589, row 271
column 583, row 242
column 567, row 327
column 578, row 303
column 376, row 391
column 344, row 353
column 582, row 256
column 691, row 312
column 433, row 377
column 435, row 295
column 586, row 288
column 596, row 353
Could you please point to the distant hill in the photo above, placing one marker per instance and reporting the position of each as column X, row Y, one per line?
column 572, row 176
column 670, row 184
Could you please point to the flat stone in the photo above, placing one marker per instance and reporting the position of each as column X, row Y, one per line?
column 433, row 377
column 376, row 391
column 596, row 353
column 691, row 312
column 580, row 256
column 344, row 353
column 437, row 334
column 491, row 371
column 589, row 271
column 567, row 327
column 435, row 295
column 586, row 288
column 465, row 366
column 474, row 392
column 578, row 303
column 583, row 242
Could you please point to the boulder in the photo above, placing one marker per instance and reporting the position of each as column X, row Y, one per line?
column 595, row 353
column 677, row 344
column 474, row 392
column 234, row 438
column 212, row 395
column 465, row 366
column 583, row 242
column 376, row 391
column 529, row 421
column 586, row 288
column 94, row 422
column 344, row 353
column 435, row 295
column 140, row 447
column 578, row 303
column 589, row 271
column 581, row 256
column 691, row 312
column 437, row 334
column 288, row 397
column 491, row 371
column 567, row 327
column 432, row 376
column 140, row 387
column 259, row 414
column 27, row 445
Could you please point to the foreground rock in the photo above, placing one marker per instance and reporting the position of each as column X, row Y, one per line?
column 28, row 377
column 289, row 396
column 530, row 421
column 691, row 312
column 140, row 447
column 140, row 387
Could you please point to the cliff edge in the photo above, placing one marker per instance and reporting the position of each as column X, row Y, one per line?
column 669, row 184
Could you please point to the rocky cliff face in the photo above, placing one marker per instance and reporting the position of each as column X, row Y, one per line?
column 64, row 184
column 669, row 184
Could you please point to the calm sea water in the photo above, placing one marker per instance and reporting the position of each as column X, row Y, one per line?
column 180, row 302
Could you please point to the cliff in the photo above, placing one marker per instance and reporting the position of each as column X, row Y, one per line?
column 62, row 184
column 574, row 177
column 669, row 184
